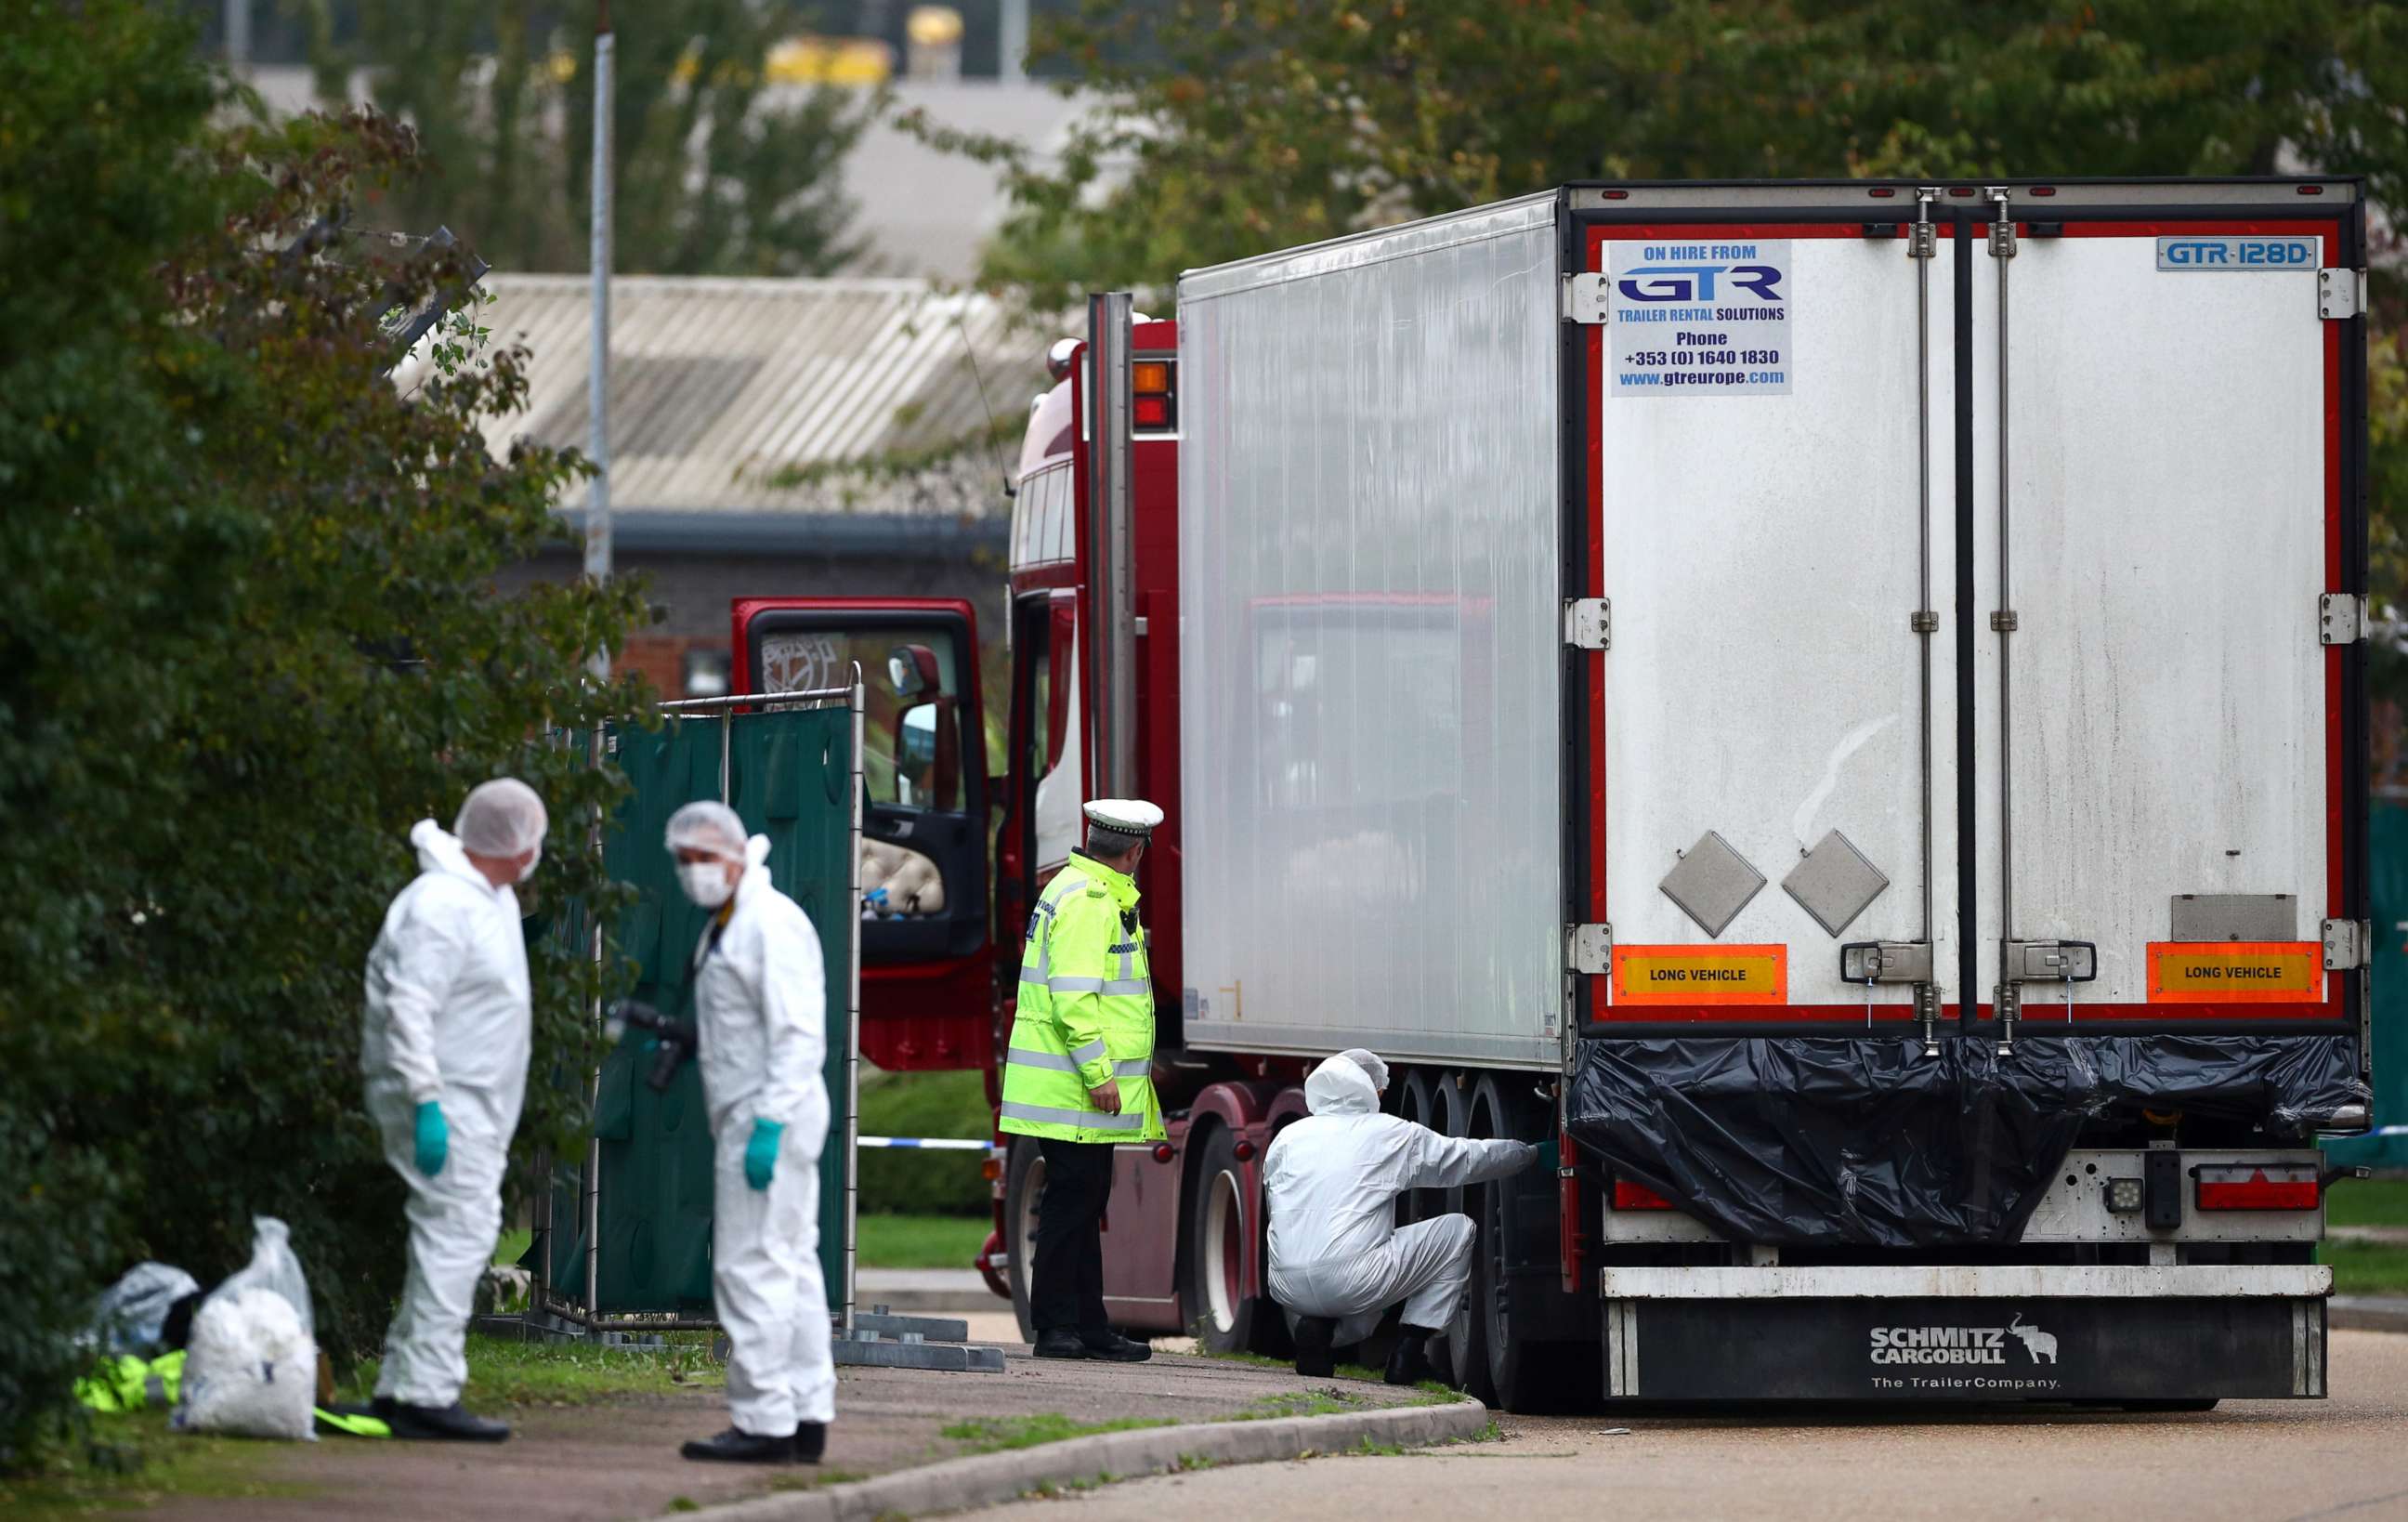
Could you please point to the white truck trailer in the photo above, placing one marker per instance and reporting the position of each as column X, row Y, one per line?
column 1844, row 701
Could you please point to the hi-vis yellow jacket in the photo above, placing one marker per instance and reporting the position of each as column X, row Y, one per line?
column 1085, row 1015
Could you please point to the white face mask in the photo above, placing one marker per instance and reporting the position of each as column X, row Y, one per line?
column 704, row 882
column 533, row 862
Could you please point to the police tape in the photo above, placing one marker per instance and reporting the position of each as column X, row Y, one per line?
column 927, row 1143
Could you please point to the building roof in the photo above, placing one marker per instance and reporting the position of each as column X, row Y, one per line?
column 719, row 385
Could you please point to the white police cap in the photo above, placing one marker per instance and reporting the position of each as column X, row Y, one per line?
column 1130, row 816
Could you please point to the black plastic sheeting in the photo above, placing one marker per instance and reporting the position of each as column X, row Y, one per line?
column 1864, row 1141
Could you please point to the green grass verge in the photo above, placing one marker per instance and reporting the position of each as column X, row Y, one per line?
column 2366, row 1268
column 509, row 1373
column 919, row 1242
column 2367, row 1202
column 995, row 1434
column 136, row 1462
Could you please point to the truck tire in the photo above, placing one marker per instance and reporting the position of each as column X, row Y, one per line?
column 1223, row 1218
column 1416, row 1102
column 1023, row 1179
column 1526, row 1373
column 1467, row 1335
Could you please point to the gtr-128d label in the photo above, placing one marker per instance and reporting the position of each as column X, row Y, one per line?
column 1701, row 317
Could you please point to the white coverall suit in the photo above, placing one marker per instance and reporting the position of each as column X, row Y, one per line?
column 1332, row 1179
column 761, row 1005
column 448, row 1020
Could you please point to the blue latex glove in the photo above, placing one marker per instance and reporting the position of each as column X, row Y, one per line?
column 433, row 1139
column 761, row 1153
column 1549, row 1157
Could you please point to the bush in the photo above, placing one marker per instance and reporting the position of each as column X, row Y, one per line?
column 246, row 635
column 906, row 1183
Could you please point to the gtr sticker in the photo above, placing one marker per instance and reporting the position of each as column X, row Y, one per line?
column 1701, row 974
column 1692, row 317
column 2235, row 972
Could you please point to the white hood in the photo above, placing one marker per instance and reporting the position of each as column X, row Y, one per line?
column 440, row 851
column 1339, row 1087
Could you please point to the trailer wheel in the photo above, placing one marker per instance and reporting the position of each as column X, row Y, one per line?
column 1527, row 1374
column 1024, row 1181
column 1416, row 1102
column 1467, row 1335
column 1223, row 1218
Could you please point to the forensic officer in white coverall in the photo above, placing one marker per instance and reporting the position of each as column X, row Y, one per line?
column 1337, row 1258
column 443, row 1050
column 761, row 1015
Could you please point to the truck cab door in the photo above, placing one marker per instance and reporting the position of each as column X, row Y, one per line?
column 926, row 963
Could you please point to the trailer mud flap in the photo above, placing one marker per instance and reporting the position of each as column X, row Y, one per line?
column 1969, row 1350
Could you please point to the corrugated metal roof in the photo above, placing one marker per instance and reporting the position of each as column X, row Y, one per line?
column 718, row 384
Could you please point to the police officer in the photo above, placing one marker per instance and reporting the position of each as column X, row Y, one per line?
column 1079, row 1075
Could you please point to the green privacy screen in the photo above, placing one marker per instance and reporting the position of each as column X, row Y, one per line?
column 790, row 774
column 2388, row 861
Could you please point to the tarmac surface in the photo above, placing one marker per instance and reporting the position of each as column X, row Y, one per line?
column 2344, row 1460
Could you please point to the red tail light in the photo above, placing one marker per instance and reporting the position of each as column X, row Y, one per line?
column 2274, row 1186
column 1630, row 1195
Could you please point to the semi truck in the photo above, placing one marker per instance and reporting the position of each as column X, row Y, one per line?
column 1840, row 703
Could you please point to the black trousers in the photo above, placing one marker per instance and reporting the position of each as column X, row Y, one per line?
column 1065, row 1273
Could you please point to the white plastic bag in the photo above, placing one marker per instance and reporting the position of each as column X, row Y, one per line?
column 252, row 1366
column 131, row 1316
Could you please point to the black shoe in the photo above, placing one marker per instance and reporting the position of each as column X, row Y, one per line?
column 1408, row 1362
column 1316, row 1356
column 810, row 1442
column 1060, row 1343
column 436, row 1424
column 1112, row 1347
column 737, row 1447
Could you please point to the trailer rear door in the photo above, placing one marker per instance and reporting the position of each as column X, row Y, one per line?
column 2161, row 729
column 1764, row 761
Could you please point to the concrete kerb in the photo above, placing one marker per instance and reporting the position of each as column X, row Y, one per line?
column 989, row 1479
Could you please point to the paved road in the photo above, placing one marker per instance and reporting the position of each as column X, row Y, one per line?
column 2343, row 1459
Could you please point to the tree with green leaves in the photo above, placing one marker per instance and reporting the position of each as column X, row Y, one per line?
column 247, row 637
column 717, row 170
column 1228, row 127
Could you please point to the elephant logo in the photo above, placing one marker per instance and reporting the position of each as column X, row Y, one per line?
column 2037, row 1344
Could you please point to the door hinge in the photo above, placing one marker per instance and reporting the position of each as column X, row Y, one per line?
column 2340, row 618
column 1588, row 622
column 2340, row 294
column 2345, row 945
column 1886, row 961
column 2002, row 231
column 1585, row 299
column 1588, row 949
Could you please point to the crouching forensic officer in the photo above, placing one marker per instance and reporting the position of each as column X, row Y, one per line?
column 1079, row 1074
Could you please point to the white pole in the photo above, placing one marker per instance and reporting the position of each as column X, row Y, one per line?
column 1012, row 43
column 852, row 1029
column 598, row 499
column 597, row 537
column 237, row 32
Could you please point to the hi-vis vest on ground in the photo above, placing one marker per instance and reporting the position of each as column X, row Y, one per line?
column 1085, row 1015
